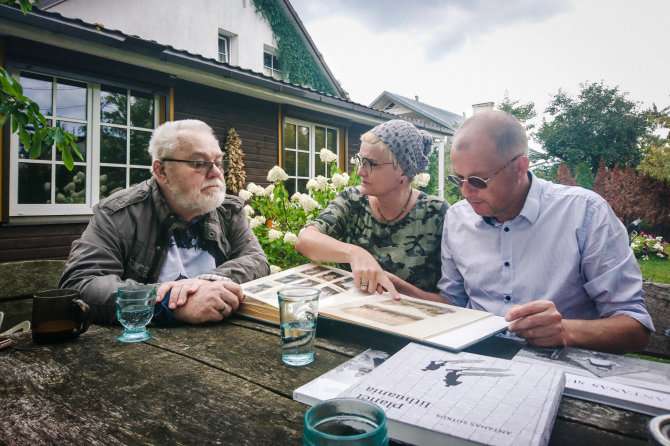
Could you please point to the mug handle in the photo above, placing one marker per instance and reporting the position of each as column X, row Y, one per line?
column 83, row 310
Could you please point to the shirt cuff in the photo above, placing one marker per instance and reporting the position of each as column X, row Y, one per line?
column 163, row 316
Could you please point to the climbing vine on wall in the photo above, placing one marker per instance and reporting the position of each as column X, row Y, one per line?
column 297, row 64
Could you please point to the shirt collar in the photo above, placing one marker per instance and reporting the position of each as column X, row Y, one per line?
column 531, row 208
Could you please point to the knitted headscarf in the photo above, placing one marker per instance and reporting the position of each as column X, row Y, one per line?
column 410, row 145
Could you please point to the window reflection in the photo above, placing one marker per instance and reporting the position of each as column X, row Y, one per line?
column 34, row 183
column 112, row 179
column 139, row 143
column 113, row 105
column 112, row 145
column 142, row 110
column 70, row 99
column 70, row 185
column 39, row 89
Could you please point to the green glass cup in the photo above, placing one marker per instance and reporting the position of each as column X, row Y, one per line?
column 345, row 421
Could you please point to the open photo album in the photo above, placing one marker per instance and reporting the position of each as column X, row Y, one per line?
column 443, row 325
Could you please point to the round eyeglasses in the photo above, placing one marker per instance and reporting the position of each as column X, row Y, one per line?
column 366, row 164
column 477, row 182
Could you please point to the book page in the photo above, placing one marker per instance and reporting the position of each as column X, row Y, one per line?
column 331, row 281
column 410, row 317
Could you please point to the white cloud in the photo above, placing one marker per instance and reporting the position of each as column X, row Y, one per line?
column 453, row 54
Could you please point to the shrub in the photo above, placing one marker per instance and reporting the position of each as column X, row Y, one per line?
column 646, row 245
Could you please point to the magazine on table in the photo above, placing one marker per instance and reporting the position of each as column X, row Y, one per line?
column 443, row 325
column 620, row 381
column 434, row 397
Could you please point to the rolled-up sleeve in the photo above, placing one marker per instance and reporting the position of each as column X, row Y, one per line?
column 613, row 278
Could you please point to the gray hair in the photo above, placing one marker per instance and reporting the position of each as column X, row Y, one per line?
column 502, row 128
column 165, row 139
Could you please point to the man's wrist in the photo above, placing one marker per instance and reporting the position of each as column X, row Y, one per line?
column 213, row 277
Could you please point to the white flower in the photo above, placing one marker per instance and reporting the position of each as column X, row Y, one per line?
column 296, row 196
column 308, row 203
column 277, row 174
column 660, row 254
column 657, row 246
column 273, row 235
column 321, row 183
column 255, row 189
column 311, row 184
column 352, row 160
column 645, row 257
column 421, row 179
column 340, row 180
column 249, row 210
column 268, row 191
column 244, row 194
column 257, row 221
column 290, row 238
column 274, row 269
column 327, row 156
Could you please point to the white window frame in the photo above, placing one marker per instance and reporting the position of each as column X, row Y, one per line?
column 92, row 162
column 313, row 153
column 226, row 55
column 271, row 70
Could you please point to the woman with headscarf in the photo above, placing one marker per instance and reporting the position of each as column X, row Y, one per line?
column 384, row 231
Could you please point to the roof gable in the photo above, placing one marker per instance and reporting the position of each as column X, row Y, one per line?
column 395, row 103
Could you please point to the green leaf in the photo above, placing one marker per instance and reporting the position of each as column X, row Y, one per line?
column 3, row 119
column 67, row 159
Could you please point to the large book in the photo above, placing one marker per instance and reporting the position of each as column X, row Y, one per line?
column 434, row 397
column 442, row 325
column 620, row 381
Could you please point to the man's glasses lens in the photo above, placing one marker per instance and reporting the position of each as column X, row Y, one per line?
column 475, row 182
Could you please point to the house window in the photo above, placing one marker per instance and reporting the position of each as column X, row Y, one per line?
column 224, row 48
column 303, row 142
column 126, row 120
column 271, row 65
column 113, row 127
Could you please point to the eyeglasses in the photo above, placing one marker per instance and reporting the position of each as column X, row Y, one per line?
column 199, row 165
column 476, row 182
column 366, row 163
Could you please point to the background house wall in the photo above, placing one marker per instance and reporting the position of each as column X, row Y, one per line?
column 191, row 25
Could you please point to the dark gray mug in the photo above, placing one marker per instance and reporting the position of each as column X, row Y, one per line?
column 58, row 315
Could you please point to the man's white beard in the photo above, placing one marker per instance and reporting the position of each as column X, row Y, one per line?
column 197, row 201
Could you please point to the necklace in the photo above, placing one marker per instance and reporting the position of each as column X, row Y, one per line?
column 386, row 220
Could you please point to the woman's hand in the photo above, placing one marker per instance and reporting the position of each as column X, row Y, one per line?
column 368, row 275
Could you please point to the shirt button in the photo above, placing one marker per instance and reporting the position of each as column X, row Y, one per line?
column 506, row 229
column 508, row 298
column 506, row 263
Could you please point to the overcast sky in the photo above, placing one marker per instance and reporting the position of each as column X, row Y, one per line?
column 455, row 53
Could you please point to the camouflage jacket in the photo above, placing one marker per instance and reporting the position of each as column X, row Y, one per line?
column 408, row 248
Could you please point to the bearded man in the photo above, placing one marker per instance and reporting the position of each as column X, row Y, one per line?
column 178, row 230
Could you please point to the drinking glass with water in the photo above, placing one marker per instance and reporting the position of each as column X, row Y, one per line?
column 298, row 311
column 134, row 310
column 345, row 421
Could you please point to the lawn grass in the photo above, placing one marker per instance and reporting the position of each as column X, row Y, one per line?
column 656, row 269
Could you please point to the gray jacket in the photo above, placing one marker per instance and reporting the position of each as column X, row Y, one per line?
column 127, row 241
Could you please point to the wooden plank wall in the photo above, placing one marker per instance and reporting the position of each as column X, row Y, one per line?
column 254, row 120
column 36, row 242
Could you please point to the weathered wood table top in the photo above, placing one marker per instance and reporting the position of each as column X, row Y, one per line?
column 216, row 384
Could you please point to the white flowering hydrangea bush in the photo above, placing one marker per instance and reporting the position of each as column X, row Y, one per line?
column 277, row 218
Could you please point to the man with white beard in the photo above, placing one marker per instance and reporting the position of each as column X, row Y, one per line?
column 178, row 230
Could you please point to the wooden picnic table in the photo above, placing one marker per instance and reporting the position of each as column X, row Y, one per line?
column 214, row 384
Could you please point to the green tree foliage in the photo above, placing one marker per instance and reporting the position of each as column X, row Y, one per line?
column 297, row 64
column 656, row 149
column 523, row 112
column 599, row 122
column 26, row 119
